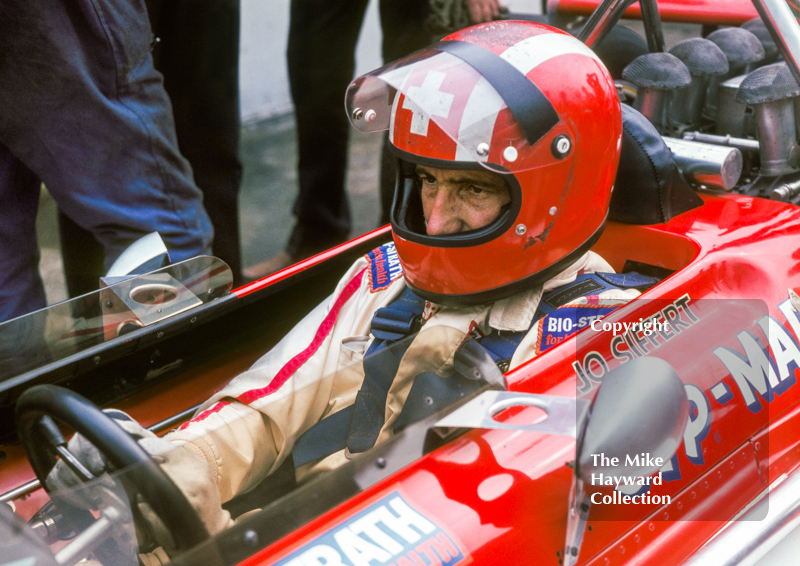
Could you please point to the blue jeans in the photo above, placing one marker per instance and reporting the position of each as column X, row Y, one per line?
column 83, row 110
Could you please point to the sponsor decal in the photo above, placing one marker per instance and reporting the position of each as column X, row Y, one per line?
column 389, row 532
column 566, row 321
column 384, row 267
column 759, row 376
column 637, row 340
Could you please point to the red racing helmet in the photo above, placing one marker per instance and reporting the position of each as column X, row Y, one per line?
column 521, row 99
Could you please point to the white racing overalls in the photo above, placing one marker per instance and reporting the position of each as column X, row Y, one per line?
column 249, row 428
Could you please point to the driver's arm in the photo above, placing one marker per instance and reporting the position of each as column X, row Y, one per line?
column 249, row 428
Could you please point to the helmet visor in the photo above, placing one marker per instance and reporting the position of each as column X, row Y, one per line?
column 437, row 105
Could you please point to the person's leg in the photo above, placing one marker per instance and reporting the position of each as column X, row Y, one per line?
column 21, row 289
column 403, row 25
column 81, row 255
column 198, row 53
column 86, row 111
column 321, row 58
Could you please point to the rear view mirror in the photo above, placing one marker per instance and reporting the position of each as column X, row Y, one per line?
column 634, row 427
column 636, row 419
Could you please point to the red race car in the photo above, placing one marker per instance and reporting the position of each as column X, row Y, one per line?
column 666, row 432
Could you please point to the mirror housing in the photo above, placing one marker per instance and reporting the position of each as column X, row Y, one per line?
column 641, row 407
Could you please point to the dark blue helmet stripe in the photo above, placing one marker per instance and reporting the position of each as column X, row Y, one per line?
column 530, row 107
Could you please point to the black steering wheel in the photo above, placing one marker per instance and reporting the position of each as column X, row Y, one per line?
column 38, row 403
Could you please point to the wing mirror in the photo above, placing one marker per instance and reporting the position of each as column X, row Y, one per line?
column 632, row 427
column 635, row 424
column 640, row 409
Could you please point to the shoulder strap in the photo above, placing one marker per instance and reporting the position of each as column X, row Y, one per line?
column 357, row 426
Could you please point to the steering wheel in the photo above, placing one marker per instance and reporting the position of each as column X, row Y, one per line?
column 121, row 450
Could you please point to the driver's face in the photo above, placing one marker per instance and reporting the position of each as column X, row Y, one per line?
column 457, row 200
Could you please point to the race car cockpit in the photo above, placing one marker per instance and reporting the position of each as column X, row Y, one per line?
column 650, row 437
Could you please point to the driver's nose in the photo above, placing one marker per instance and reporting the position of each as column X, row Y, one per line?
column 443, row 217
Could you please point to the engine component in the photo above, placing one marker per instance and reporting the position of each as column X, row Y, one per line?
column 743, row 50
column 756, row 27
column 773, row 92
column 743, row 144
column 656, row 76
column 787, row 192
column 733, row 118
column 706, row 164
column 705, row 60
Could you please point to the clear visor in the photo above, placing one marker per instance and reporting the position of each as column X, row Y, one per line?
column 453, row 108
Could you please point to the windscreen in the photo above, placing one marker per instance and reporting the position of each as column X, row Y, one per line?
column 123, row 306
